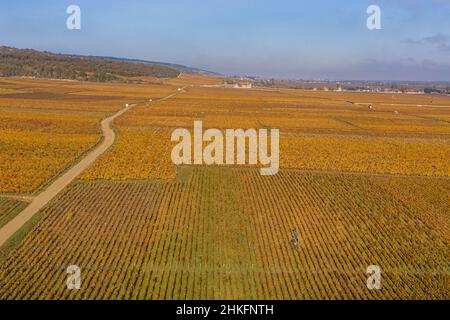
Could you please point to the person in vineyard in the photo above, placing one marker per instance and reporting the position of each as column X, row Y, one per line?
column 295, row 239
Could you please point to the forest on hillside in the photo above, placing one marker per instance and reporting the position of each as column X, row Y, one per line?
column 32, row 63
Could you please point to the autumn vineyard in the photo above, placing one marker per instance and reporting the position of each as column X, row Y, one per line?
column 364, row 180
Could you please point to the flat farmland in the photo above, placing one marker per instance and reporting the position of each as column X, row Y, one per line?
column 46, row 125
column 225, row 234
column 364, row 178
column 319, row 131
column 9, row 207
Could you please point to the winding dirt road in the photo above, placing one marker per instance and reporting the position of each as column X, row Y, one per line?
column 65, row 179
column 38, row 202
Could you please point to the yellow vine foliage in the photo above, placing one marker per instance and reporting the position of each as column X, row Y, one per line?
column 46, row 125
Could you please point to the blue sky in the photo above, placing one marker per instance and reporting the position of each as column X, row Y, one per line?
column 284, row 39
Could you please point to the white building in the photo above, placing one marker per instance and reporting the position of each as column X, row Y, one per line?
column 247, row 85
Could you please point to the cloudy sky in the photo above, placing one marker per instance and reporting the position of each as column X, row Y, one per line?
column 273, row 38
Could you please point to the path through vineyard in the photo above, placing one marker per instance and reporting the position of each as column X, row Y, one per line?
column 109, row 137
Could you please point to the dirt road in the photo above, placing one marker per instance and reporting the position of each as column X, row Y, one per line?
column 61, row 182
column 65, row 179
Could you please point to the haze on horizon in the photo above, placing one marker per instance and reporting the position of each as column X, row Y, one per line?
column 324, row 39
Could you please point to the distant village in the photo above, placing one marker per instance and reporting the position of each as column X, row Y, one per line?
column 438, row 88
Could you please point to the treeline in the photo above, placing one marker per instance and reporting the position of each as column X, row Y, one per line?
column 32, row 63
column 437, row 91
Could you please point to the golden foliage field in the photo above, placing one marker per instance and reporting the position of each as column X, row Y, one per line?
column 319, row 131
column 225, row 234
column 45, row 125
column 185, row 79
column 56, row 121
column 140, row 154
column 375, row 192
column 29, row 159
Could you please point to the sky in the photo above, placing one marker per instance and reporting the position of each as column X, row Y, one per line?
column 295, row 39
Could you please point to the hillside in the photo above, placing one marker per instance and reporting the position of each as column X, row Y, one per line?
column 179, row 67
column 32, row 63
